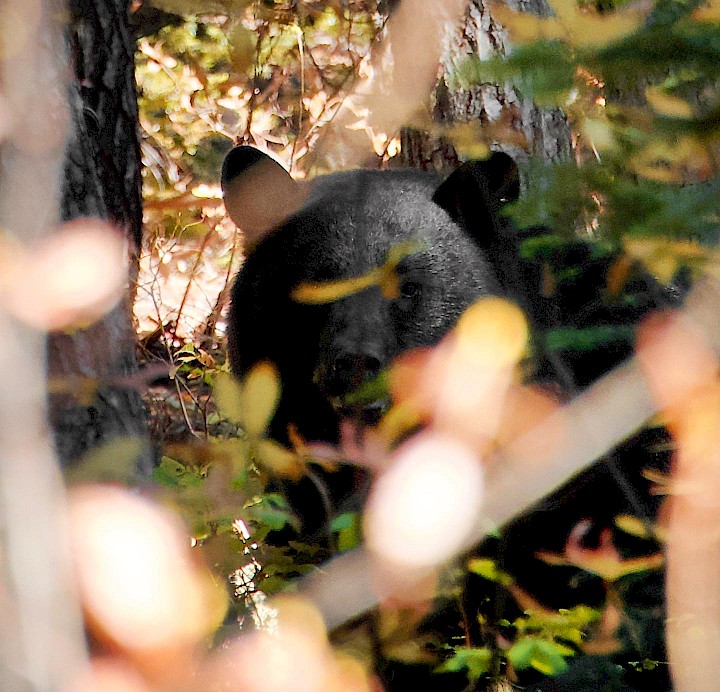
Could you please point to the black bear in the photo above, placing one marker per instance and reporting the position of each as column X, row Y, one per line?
column 345, row 225
column 341, row 226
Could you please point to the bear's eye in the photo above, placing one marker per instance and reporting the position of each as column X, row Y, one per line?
column 410, row 290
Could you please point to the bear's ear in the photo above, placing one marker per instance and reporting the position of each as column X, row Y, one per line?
column 475, row 192
column 259, row 193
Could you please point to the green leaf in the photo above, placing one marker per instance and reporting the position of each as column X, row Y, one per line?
column 484, row 567
column 273, row 512
column 546, row 656
column 375, row 389
column 347, row 527
column 474, row 661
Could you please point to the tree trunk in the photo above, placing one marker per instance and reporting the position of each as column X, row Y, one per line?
column 101, row 179
column 545, row 130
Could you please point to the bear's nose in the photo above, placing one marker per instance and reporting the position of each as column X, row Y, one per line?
column 350, row 370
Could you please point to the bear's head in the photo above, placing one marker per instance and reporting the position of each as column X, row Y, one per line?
column 343, row 226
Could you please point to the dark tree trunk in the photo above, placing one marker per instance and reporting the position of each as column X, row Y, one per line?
column 101, row 179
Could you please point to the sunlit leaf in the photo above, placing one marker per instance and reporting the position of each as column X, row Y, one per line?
column 618, row 274
column 488, row 569
column 398, row 421
column 708, row 12
column 493, row 330
column 260, row 397
column 578, row 26
column 524, row 27
column 633, row 526
column 311, row 293
column 593, row 31
column 389, row 280
column 599, row 133
column 385, row 276
column 665, row 257
column 668, row 105
column 229, row 397
column 467, row 138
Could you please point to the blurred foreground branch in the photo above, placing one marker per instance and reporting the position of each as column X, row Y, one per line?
column 518, row 476
column 41, row 641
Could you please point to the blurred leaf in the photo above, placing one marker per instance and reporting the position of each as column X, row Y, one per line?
column 347, row 527
column 709, row 11
column 548, row 657
column 543, row 71
column 320, row 293
column 260, row 397
column 114, row 461
column 172, row 474
column 473, row 661
column 467, row 138
column 587, row 339
column 228, row 394
column 633, row 526
column 578, row 26
column 279, row 459
column 665, row 104
column 604, row 561
column 599, row 132
column 488, row 569
column 252, row 402
column 244, row 48
column 664, row 258
column 368, row 392
column 272, row 511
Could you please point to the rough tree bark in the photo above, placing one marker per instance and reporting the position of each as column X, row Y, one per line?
column 545, row 130
column 101, row 179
